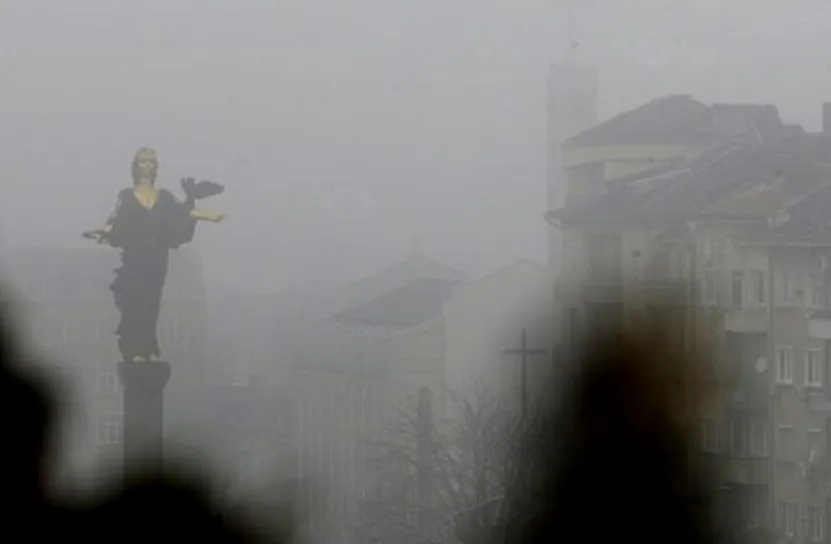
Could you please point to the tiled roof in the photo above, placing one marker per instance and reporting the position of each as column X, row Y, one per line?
column 680, row 119
column 804, row 221
column 358, row 340
column 763, row 196
column 669, row 197
column 416, row 267
column 673, row 119
column 409, row 305
column 739, row 179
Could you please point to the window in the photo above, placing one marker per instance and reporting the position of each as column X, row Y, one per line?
column 739, row 437
column 172, row 332
column 816, row 523
column 787, row 517
column 604, row 259
column 106, row 383
column 813, row 367
column 748, row 437
column 784, row 365
column 110, row 429
column 756, row 294
column 710, row 291
column 707, row 252
column 786, row 445
column 709, row 435
column 677, row 264
column 814, row 297
column 738, row 288
column 785, row 289
column 759, row 438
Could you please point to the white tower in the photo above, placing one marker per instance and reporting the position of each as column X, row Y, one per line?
column 572, row 108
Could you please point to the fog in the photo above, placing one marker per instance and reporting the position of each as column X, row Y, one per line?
column 346, row 130
column 351, row 135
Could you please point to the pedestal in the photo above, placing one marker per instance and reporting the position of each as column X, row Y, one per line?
column 144, row 383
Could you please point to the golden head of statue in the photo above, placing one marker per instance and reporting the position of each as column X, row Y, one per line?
column 144, row 167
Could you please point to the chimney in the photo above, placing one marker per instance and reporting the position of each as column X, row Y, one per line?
column 826, row 118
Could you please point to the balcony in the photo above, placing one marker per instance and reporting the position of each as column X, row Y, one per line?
column 750, row 398
column 660, row 292
column 819, row 325
column 747, row 320
column 588, row 291
column 746, row 471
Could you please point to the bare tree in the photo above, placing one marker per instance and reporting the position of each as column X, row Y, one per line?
column 475, row 470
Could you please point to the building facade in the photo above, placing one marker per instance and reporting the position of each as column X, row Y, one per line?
column 718, row 213
column 351, row 371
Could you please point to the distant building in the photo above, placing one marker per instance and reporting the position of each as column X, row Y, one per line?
column 257, row 334
column 68, row 318
column 341, row 382
column 572, row 108
column 254, row 421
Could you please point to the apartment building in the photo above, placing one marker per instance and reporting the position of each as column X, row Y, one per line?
column 720, row 212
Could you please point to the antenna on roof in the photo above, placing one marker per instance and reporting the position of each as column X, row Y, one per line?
column 570, row 25
column 415, row 243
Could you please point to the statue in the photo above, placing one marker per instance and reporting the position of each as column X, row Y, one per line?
column 146, row 224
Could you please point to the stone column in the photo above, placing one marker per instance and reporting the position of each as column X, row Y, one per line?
column 144, row 383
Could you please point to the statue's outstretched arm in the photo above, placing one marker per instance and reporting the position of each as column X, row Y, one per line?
column 207, row 215
column 197, row 191
column 101, row 235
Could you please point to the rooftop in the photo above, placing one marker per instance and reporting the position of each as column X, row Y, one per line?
column 680, row 119
column 735, row 179
column 416, row 267
column 409, row 305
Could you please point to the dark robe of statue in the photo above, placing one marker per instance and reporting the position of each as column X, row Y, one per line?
column 145, row 237
column 146, row 225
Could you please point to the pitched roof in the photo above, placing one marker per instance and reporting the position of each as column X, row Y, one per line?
column 406, row 306
column 739, row 179
column 680, row 119
column 803, row 221
column 675, row 118
column 763, row 196
column 668, row 197
column 417, row 266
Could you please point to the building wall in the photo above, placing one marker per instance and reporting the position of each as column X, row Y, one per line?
column 572, row 108
column 419, row 361
column 613, row 161
column 337, row 417
column 797, row 428
column 485, row 317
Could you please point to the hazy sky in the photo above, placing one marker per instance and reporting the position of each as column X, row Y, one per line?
column 344, row 129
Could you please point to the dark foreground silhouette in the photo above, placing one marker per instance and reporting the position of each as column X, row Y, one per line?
column 146, row 508
column 617, row 458
column 611, row 464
